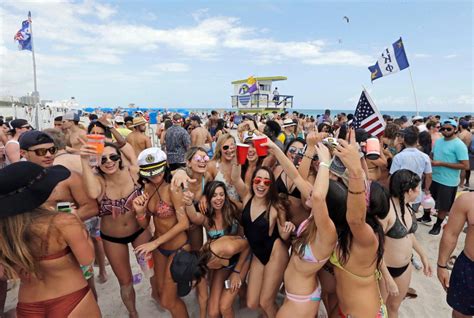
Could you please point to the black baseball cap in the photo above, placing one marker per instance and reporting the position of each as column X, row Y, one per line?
column 34, row 138
column 182, row 271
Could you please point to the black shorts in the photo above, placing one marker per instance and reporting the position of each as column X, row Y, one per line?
column 461, row 286
column 443, row 195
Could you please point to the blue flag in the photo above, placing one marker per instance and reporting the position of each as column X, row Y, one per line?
column 23, row 36
column 392, row 60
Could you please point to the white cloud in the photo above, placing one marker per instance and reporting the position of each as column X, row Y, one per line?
column 421, row 55
column 450, row 56
column 172, row 67
column 465, row 100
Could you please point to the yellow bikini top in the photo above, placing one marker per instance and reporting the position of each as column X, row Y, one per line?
column 335, row 261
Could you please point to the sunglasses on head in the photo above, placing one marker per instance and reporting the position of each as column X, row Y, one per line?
column 266, row 182
column 448, row 129
column 114, row 158
column 199, row 158
column 43, row 151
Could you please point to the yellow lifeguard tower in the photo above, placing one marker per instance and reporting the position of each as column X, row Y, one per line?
column 263, row 99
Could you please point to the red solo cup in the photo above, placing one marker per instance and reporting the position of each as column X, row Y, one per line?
column 242, row 151
column 261, row 150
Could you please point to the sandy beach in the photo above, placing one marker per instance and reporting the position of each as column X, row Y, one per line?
column 431, row 300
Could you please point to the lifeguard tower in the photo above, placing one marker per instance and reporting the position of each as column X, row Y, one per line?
column 261, row 99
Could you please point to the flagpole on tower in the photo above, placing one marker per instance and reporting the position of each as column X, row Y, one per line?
column 414, row 94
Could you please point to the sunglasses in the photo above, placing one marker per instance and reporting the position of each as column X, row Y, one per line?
column 226, row 147
column 114, row 158
column 445, row 129
column 43, row 151
column 27, row 127
column 198, row 158
column 266, row 182
column 294, row 150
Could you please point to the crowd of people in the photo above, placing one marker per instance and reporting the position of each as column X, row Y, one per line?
column 236, row 207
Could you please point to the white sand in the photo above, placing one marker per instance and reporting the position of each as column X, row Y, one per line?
column 431, row 301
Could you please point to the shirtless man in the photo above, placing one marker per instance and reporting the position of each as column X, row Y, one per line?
column 200, row 136
column 465, row 135
column 460, row 287
column 62, row 157
column 212, row 122
column 39, row 148
column 137, row 137
column 73, row 131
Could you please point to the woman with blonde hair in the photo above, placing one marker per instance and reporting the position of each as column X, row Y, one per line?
column 43, row 248
column 220, row 167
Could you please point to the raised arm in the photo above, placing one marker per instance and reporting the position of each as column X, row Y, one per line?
column 326, row 235
column 289, row 168
column 239, row 184
column 91, row 181
column 356, row 204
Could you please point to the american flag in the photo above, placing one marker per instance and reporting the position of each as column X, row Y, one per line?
column 368, row 117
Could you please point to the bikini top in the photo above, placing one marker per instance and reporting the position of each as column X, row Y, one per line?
column 108, row 206
column 398, row 230
column 230, row 230
column 232, row 260
column 231, row 190
column 308, row 255
column 163, row 209
column 335, row 261
column 56, row 255
column 281, row 187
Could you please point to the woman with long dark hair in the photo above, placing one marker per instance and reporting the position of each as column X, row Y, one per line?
column 41, row 247
column 266, row 229
column 251, row 163
column 170, row 221
column 297, row 212
column 221, row 219
column 115, row 187
column 359, row 251
column 399, row 227
column 315, row 240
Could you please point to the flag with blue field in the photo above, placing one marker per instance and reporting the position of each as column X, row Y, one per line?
column 392, row 60
column 23, row 36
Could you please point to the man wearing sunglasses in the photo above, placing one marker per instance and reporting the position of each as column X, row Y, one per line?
column 449, row 158
column 39, row 148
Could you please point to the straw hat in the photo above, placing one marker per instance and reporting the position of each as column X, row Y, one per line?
column 137, row 121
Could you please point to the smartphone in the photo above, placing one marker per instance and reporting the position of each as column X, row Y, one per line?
column 337, row 167
column 64, row 207
column 227, row 284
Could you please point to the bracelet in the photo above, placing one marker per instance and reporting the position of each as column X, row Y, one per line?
column 325, row 164
column 440, row 266
column 355, row 192
column 141, row 218
column 236, row 271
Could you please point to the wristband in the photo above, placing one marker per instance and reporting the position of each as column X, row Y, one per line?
column 355, row 192
column 236, row 271
column 141, row 218
column 440, row 266
column 325, row 164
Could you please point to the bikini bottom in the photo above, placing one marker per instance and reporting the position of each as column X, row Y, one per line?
column 314, row 296
column 122, row 240
column 397, row 271
column 59, row 307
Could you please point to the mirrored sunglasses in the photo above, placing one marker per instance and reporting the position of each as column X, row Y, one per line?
column 199, row 158
column 266, row 182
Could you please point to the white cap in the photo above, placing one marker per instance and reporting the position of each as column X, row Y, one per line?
column 119, row 119
column 152, row 161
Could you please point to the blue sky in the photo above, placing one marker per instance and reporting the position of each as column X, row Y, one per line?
column 186, row 53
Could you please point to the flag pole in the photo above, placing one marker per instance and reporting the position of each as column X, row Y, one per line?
column 35, row 92
column 414, row 94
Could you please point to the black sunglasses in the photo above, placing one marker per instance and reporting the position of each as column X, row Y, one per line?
column 42, row 151
column 445, row 129
column 225, row 147
column 114, row 158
